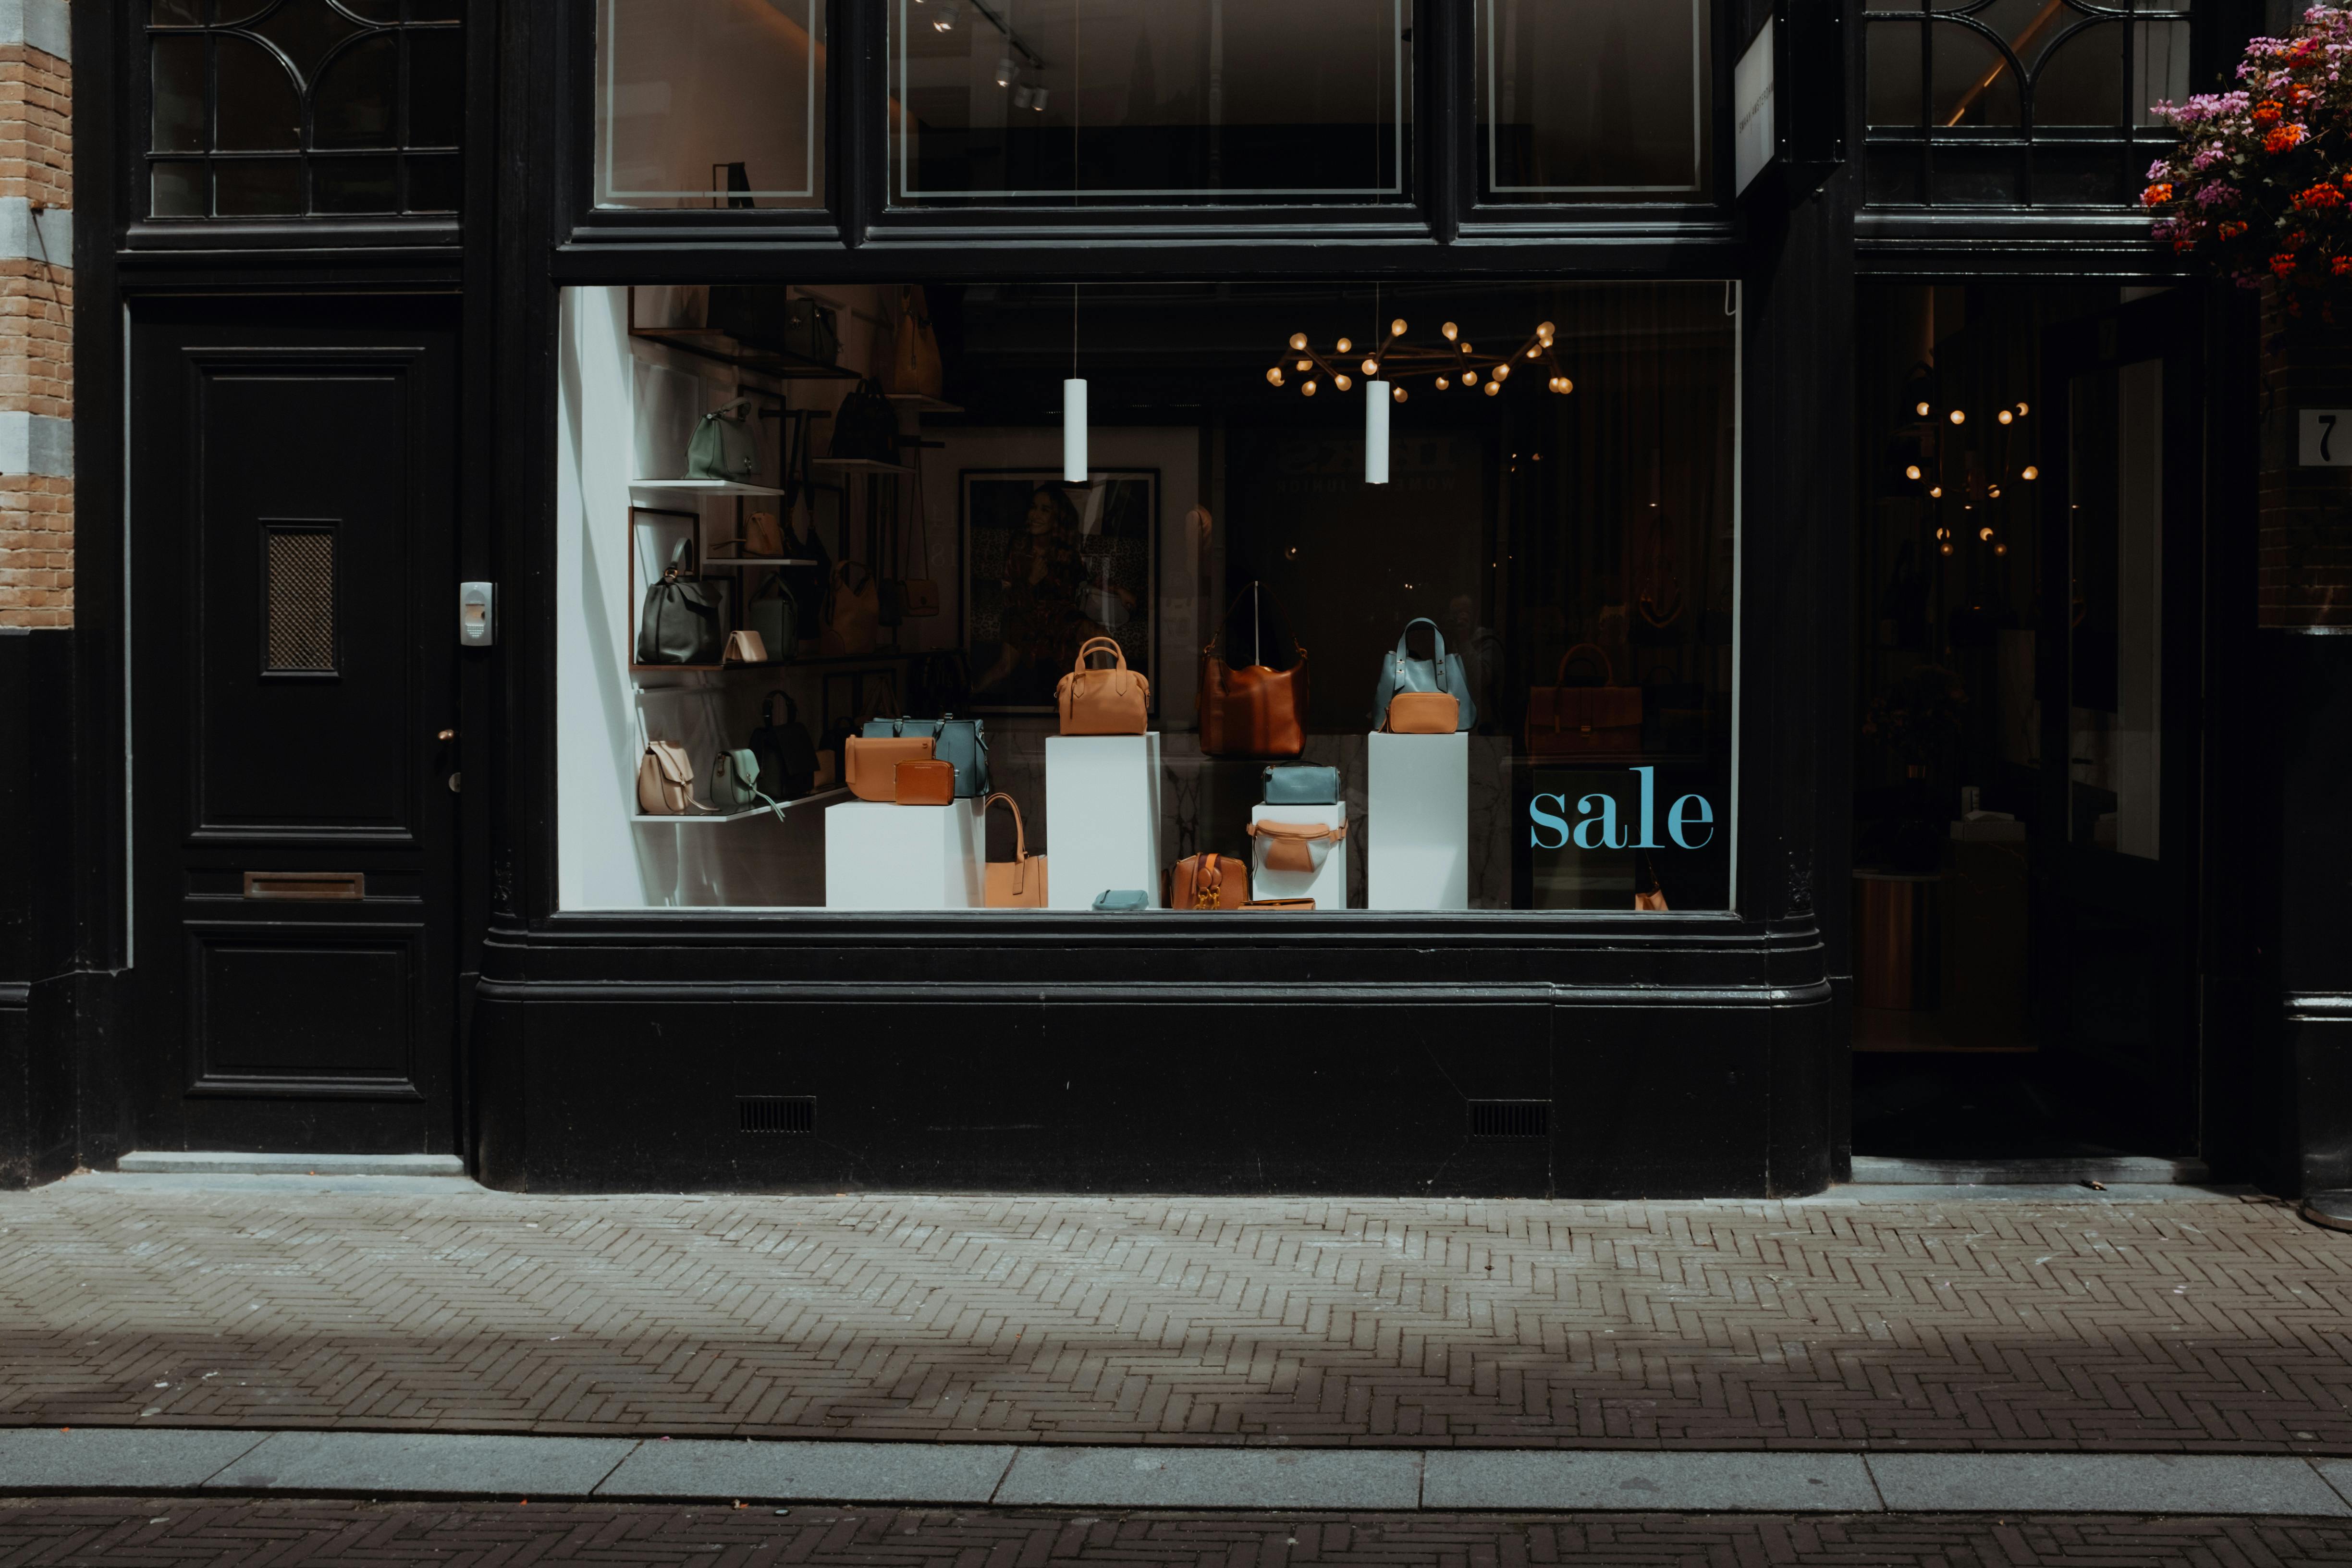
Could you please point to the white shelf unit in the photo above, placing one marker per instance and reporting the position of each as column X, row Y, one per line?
column 705, row 486
column 710, row 817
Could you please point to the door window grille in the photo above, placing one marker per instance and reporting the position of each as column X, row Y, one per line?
column 299, row 600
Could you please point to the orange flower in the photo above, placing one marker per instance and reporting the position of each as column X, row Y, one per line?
column 2155, row 195
column 2339, row 265
column 2284, row 137
column 2267, row 112
column 2283, row 263
column 2298, row 94
column 2232, row 230
column 2183, row 247
column 2319, row 197
column 2294, row 239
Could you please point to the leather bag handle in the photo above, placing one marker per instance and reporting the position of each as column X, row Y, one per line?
column 1020, row 838
column 1096, row 644
column 1305, row 832
column 767, row 710
column 1437, row 641
column 1607, row 667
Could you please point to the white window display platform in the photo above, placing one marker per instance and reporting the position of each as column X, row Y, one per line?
column 880, row 856
column 1417, row 798
column 1102, row 817
column 1328, row 886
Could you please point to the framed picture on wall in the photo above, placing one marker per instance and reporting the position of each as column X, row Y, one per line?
column 1049, row 564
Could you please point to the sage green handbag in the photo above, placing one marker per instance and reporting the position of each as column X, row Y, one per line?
column 735, row 783
column 726, row 445
column 681, row 624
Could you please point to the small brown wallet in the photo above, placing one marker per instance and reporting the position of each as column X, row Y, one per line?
column 926, row 782
column 1279, row 904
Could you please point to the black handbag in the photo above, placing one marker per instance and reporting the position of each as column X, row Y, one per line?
column 765, row 316
column 865, row 427
column 681, row 623
column 786, row 756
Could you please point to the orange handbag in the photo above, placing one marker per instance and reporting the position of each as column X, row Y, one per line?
column 1253, row 711
column 1297, row 846
column 920, row 781
column 1422, row 713
column 1114, row 702
column 872, row 770
column 1208, row 882
column 1018, row 883
column 1602, row 720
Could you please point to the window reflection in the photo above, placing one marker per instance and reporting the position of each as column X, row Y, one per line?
column 706, row 103
column 1579, row 101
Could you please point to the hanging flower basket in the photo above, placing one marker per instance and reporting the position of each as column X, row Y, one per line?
column 2257, row 190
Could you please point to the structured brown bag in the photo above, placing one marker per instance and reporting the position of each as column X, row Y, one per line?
column 1602, row 720
column 915, row 366
column 1252, row 711
column 764, row 535
column 1018, row 883
column 1296, row 846
column 665, row 781
column 873, row 766
column 923, row 781
column 1115, row 701
column 853, row 612
column 1292, row 906
column 1208, row 882
column 1422, row 713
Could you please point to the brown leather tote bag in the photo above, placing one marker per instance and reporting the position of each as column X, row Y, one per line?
column 1253, row 711
column 1589, row 720
column 1018, row 883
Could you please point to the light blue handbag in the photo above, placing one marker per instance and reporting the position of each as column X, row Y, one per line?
column 961, row 742
column 1118, row 900
column 1442, row 672
column 1302, row 783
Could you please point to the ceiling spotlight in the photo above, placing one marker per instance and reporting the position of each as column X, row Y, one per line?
column 1451, row 331
column 944, row 21
column 1958, row 418
column 1006, row 71
column 1912, row 471
column 2030, row 472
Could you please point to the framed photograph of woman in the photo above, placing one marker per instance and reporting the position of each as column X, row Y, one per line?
column 1047, row 565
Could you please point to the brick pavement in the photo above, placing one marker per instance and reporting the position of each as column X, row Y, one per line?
column 2185, row 1326
column 169, row 1532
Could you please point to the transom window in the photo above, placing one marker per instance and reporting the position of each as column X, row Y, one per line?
column 294, row 107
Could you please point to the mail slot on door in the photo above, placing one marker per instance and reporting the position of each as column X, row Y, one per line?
column 305, row 885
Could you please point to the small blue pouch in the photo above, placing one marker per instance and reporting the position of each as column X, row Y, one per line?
column 1123, row 899
column 1302, row 783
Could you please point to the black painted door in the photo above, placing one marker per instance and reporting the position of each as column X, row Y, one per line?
column 2122, row 659
column 294, row 814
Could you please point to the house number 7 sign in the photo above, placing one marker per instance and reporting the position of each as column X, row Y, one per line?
column 2323, row 438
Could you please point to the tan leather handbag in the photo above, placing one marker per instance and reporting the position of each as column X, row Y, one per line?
column 1018, row 883
column 1296, row 846
column 872, row 770
column 1115, row 701
column 914, row 366
column 853, row 612
column 1602, row 720
column 665, row 781
column 764, row 535
column 923, row 781
column 1252, row 710
column 1208, row 882
column 1422, row 713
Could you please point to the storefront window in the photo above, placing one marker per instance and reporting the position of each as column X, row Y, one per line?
column 1582, row 102
column 710, row 103
column 1055, row 101
column 295, row 108
column 1425, row 596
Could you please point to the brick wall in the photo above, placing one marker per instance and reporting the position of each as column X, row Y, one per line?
column 37, row 496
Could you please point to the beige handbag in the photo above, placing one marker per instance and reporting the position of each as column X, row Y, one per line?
column 1295, row 846
column 1114, row 702
column 665, row 781
column 745, row 647
column 764, row 535
column 1018, row 883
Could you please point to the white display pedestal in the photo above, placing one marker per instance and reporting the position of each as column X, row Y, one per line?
column 1417, row 801
column 1102, row 817
column 879, row 855
column 1329, row 887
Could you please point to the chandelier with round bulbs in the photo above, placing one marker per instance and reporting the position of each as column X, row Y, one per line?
column 1457, row 363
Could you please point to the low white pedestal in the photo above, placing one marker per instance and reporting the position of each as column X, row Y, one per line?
column 1102, row 817
column 879, row 855
column 1417, row 808
column 1329, row 887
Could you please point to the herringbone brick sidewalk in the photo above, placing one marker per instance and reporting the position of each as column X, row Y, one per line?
column 2185, row 1326
column 183, row 1533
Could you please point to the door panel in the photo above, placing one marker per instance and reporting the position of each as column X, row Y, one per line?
column 293, row 570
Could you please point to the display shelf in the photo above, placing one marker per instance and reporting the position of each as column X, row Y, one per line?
column 700, row 816
column 706, row 487
column 707, row 343
column 859, row 465
column 920, row 403
column 711, row 560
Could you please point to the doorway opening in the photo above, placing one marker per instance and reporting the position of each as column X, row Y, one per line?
column 2028, row 577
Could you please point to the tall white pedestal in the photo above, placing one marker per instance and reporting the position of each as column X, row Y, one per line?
column 1417, row 809
column 879, row 855
column 1102, row 817
column 1328, row 886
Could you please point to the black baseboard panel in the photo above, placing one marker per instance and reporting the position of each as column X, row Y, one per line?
column 1485, row 1094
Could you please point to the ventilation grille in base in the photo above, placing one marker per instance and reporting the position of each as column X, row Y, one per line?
column 1510, row 1119
column 776, row 1112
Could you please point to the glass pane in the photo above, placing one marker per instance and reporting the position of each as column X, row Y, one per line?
column 437, row 10
column 1583, row 101
column 178, row 124
column 2115, row 469
column 180, row 190
column 436, row 87
column 378, row 11
column 687, row 89
column 1569, row 535
column 258, row 187
column 352, row 106
column 436, row 184
column 176, row 13
column 1974, row 84
column 1124, row 101
column 1892, row 68
column 355, row 185
column 304, row 30
column 259, row 110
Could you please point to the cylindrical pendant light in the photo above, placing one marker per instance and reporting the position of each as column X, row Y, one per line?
column 1074, row 431
column 1376, row 432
